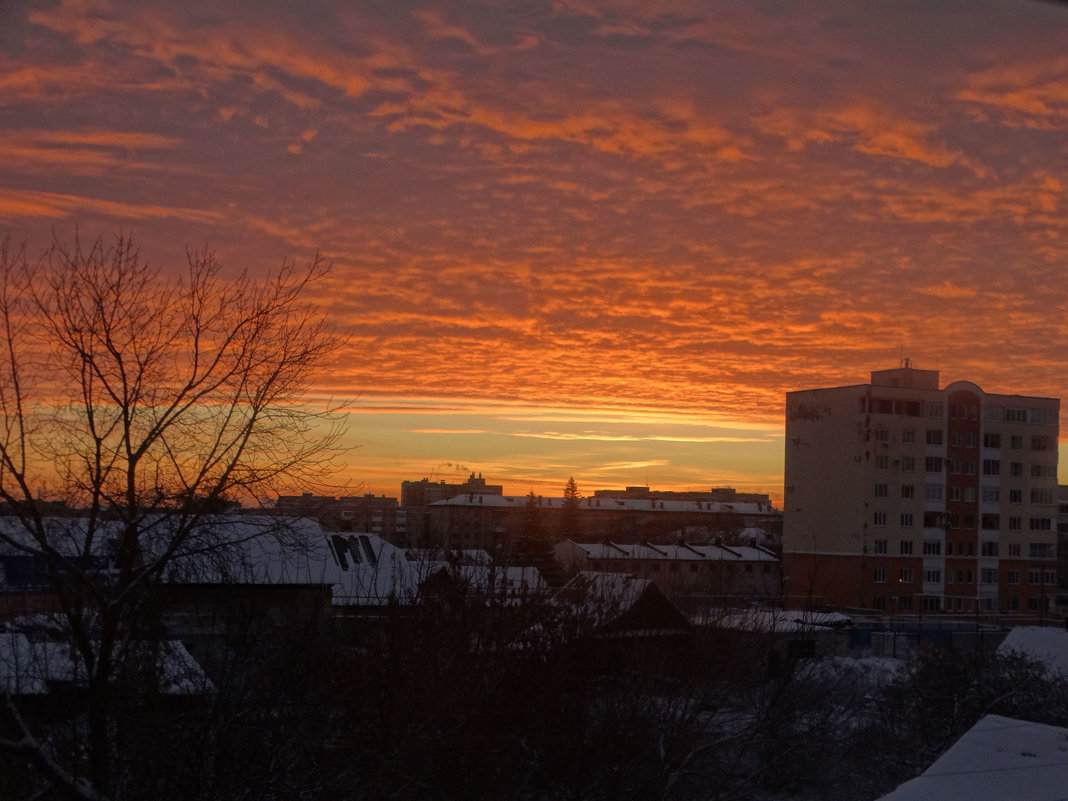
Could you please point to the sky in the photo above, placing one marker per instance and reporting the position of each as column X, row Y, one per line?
column 589, row 239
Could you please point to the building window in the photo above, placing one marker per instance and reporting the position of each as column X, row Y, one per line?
column 953, row 466
column 954, row 493
column 1049, row 577
column 949, row 577
column 954, row 438
column 1014, row 549
column 991, row 467
column 882, row 434
column 969, row 494
column 990, row 522
column 1015, row 415
column 991, row 495
column 933, row 464
column 932, row 576
column 932, row 519
column 1034, row 576
column 906, row 601
column 1016, row 441
column 879, row 602
column 880, row 575
column 908, row 435
column 1014, row 577
column 882, row 461
column 932, row 492
column 932, row 548
column 1014, row 604
column 908, row 464
column 1015, row 523
column 1016, row 469
column 970, row 440
column 1043, row 471
column 908, row 491
column 1041, row 550
column 1043, row 444
column 932, row 409
column 881, row 490
column 988, row 549
column 1041, row 496
column 1041, row 524
column 906, row 519
column 934, row 436
column 1043, row 417
column 880, row 546
column 906, row 547
column 991, row 440
column 904, row 575
column 1015, row 496
column 880, row 518
column 988, row 576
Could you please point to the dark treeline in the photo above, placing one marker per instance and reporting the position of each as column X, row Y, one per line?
column 454, row 699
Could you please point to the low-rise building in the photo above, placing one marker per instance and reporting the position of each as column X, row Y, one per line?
column 693, row 576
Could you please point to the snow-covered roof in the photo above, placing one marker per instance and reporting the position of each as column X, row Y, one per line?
column 777, row 621
column 997, row 759
column 512, row 582
column 257, row 549
column 362, row 569
column 610, row 504
column 460, row 556
column 1046, row 645
column 32, row 666
column 675, row 552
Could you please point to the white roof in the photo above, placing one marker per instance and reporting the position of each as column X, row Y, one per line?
column 361, row 569
column 675, row 552
column 776, row 621
column 610, row 504
column 508, row 581
column 1046, row 645
column 29, row 667
column 996, row 760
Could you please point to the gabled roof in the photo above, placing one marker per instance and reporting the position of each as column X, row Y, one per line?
column 614, row 603
column 998, row 759
column 361, row 569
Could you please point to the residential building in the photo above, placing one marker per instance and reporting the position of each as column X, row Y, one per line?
column 691, row 575
column 375, row 514
column 903, row 496
column 416, row 497
column 495, row 522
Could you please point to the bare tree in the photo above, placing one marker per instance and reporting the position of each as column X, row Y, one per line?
column 143, row 402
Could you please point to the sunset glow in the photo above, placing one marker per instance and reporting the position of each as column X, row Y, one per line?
column 598, row 240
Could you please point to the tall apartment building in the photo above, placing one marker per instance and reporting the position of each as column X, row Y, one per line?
column 903, row 496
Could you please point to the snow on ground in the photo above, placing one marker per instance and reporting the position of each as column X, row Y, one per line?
column 998, row 759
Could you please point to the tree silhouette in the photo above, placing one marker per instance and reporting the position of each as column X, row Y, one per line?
column 570, row 516
column 534, row 546
column 147, row 403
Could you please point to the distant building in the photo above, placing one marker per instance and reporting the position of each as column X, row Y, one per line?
column 417, row 496
column 374, row 514
column 901, row 496
column 715, row 494
column 691, row 575
column 495, row 522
